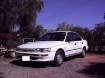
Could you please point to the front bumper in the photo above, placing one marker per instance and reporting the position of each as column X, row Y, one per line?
column 37, row 56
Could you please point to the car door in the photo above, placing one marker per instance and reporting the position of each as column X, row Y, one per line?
column 71, row 46
column 78, row 42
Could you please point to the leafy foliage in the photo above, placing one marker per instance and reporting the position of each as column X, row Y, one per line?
column 39, row 31
column 22, row 11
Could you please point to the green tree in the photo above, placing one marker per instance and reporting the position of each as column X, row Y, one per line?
column 99, row 35
column 22, row 11
column 70, row 27
column 64, row 27
column 28, row 12
column 39, row 31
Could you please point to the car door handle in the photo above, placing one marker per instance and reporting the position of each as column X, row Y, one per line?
column 75, row 43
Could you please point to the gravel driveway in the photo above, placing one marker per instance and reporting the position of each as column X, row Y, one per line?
column 92, row 66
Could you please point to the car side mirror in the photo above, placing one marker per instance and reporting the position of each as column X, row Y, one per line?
column 69, row 41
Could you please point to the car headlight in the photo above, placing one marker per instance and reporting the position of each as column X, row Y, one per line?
column 43, row 49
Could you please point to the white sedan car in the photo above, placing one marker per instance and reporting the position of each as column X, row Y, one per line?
column 55, row 46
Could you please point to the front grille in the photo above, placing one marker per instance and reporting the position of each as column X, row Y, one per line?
column 25, row 49
column 32, row 57
column 23, row 54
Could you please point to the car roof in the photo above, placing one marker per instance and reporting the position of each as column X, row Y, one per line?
column 64, row 31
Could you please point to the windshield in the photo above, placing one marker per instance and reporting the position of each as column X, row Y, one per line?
column 58, row 36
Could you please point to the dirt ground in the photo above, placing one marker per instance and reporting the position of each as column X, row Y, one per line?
column 92, row 66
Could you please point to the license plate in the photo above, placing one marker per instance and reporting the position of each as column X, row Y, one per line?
column 25, row 58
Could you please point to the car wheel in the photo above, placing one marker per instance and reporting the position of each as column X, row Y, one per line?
column 59, row 58
column 83, row 54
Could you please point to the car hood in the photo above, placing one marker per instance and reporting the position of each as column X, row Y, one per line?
column 41, row 44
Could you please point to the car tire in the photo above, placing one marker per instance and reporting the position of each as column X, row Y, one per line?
column 59, row 58
column 83, row 54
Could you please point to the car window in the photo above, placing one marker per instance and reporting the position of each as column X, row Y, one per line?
column 57, row 36
column 71, row 36
column 76, row 37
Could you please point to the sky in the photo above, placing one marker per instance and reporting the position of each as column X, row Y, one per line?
column 84, row 13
